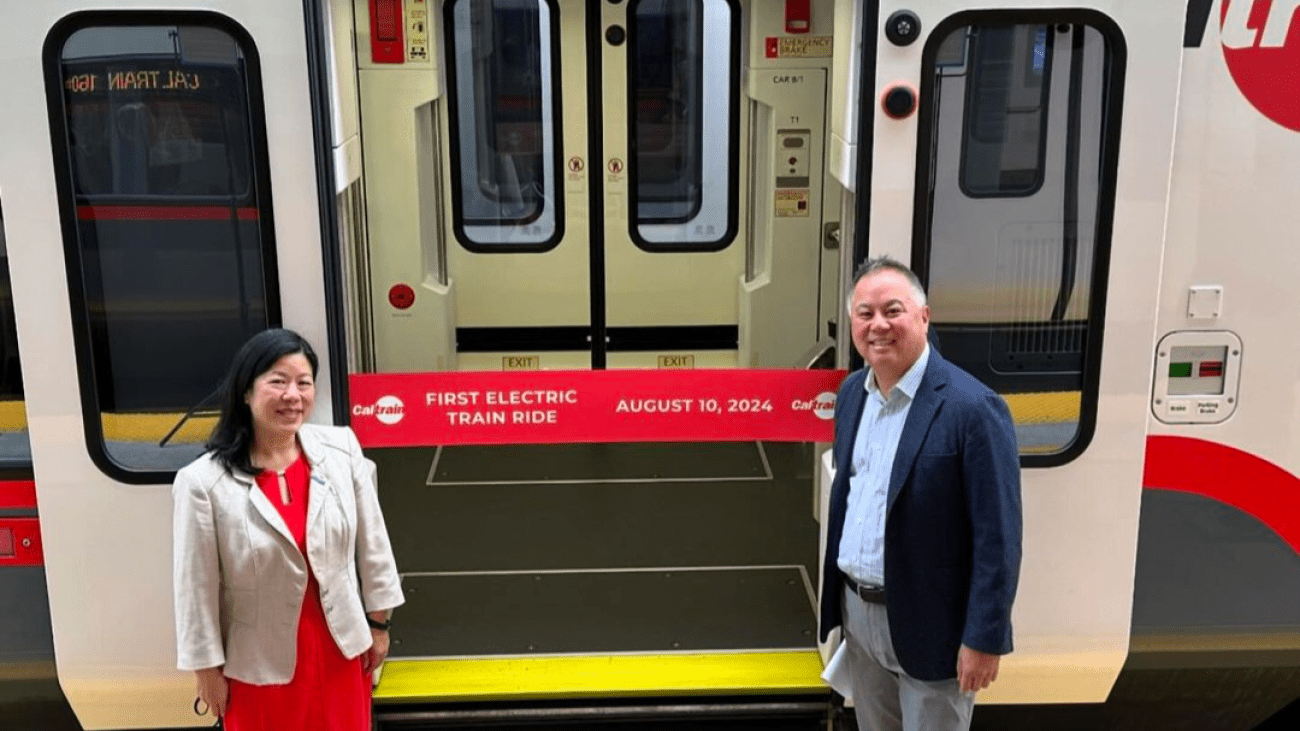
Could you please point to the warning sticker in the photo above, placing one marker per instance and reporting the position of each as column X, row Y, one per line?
column 804, row 47
column 792, row 203
column 417, row 35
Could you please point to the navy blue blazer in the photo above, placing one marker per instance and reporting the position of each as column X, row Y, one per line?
column 952, row 525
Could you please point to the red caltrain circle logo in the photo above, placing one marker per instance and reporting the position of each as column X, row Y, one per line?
column 1261, row 44
column 388, row 410
column 823, row 406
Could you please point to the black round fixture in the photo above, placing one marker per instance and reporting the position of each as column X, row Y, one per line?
column 902, row 28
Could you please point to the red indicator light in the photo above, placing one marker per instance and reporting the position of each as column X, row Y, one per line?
column 401, row 296
column 798, row 16
column 773, row 47
column 1210, row 369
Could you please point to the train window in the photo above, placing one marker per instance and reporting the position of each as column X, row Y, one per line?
column 167, row 225
column 1020, row 113
column 682, row 107
column 1002, row 144
column 504, row 138
column 15, row 449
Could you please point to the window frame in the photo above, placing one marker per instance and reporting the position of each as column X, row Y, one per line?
column 1115, row 64
column 1044, row 104
column 260, row 177
column 453, row 145
column 733, row 155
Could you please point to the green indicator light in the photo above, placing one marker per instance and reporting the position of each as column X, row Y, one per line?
column 1180, row 370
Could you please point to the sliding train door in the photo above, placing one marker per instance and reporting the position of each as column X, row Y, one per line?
column 672, row 130
column 1019, row 161
column 160, row 206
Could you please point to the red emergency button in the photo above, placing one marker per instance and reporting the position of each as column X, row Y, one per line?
column 401, row 296
column 386, row 21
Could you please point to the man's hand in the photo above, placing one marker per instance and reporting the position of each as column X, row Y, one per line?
column 976, row 670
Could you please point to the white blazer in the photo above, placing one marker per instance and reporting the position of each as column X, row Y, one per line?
column 238, row 575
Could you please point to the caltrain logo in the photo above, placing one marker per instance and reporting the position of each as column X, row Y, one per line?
column 1261, row 44
column 823, row 407
column 388, row 409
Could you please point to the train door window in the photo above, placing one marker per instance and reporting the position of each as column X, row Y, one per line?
column 167, row 224
column 1016, row 206
column 1002, row 152
column 682, row 112
column 503, row 63
column 15, row 449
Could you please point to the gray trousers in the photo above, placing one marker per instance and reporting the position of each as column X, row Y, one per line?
column 884, row 697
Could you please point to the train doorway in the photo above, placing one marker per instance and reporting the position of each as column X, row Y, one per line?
column 558, row 184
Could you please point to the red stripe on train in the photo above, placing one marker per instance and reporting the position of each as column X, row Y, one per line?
column 164, row 213
column 1229, row 475
column 18, row 494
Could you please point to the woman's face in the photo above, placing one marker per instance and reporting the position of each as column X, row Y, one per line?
column 282, row 397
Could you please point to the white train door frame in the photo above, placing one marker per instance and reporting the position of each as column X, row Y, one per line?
column 1081, row 493
column 105, row 499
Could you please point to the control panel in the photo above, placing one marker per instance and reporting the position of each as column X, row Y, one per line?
column 1196, row 377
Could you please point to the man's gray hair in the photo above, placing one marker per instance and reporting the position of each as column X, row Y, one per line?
column 881, row 263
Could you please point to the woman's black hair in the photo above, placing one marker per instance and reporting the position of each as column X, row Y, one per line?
column 233, row 435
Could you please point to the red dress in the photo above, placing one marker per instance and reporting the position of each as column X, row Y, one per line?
column 328, row 692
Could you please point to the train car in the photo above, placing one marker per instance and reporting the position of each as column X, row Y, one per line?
column 577, row 269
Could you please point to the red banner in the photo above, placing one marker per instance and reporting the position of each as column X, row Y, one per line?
column 551, row 407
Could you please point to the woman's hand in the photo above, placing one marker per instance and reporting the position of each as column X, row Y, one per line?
column 371, row 659
column 214, row 690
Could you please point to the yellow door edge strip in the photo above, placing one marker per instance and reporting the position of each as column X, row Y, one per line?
column 485, row 679
column 152, row 427
column 1053, row 407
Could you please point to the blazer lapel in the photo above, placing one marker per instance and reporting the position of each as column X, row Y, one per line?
column 924, row 408
column 315, row 499
column 316, row 461
column 267, row 510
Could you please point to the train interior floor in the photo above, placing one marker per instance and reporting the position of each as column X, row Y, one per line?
column 544, row 559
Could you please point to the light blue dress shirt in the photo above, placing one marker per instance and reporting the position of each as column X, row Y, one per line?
column 862, row 546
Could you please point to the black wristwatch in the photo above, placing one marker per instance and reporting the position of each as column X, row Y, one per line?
column 375, row 624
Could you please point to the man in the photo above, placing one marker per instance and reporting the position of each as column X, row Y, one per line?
column 923, row 538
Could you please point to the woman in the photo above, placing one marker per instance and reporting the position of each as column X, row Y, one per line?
column 284, row 576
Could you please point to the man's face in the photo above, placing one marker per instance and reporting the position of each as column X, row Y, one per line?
column 889, row 327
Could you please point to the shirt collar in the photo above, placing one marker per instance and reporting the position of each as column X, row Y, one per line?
column 910, row 381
